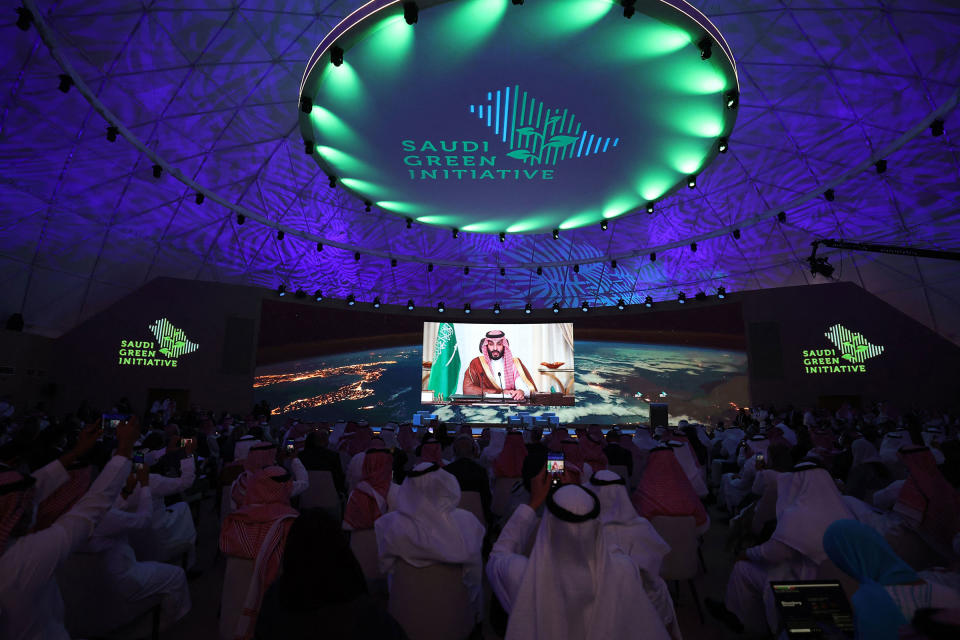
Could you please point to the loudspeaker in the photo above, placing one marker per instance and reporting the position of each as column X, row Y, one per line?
column 238, row 345
column 766, row 352
column 658, row 415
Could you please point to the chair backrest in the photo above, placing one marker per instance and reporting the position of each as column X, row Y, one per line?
column 500, row 501
column 766, row 508
column 620, row 470
column 363, row 543
column 431, row 603
column 236, row 581
column 322, row 493
column 470, row 501
column 681, row 534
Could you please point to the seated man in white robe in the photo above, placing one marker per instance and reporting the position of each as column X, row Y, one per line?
column 574, row 583
column 30, row 602
column 427, row 528
column 734, row 487
column 638, row 539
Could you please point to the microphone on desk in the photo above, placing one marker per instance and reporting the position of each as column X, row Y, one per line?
column 500, row 376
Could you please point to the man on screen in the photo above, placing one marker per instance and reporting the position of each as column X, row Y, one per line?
column 496, row 370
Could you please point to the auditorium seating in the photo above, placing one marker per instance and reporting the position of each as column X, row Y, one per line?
column 430, row 603
column 681, row 563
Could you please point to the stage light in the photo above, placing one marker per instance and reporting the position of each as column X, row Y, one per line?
column 503, row 236
column 692, row 182
column 722, row 145
column 782, row 217
column 603, row 225
column 496, row 309
column 556, row 234
column 880, row 165
column 393, row 262
column 736, row 234
column 157, row 171
column 466, row 308
column 356, row 256
column 528, row 309
column 306, row 104
column 300, row 294
column 440, row 307
column 466, row 271
column 693, row 247
column 456, row 233
column 830, row 195
column 682, row 297
column 539, row 271
column 24, row 18
column 576, row 268
column 556, row 307
column 621, row 305
column 367, row 205
column 318, row 296
column 410, row 304
column 731, row 99
column 65, row 82
column 409, row 223
column 701, row 296
column 332, row 181
column 721, row 293
column 241, row 218
column 410, row 12
column 653, row 256
column 648, row 302
column 613, row 264
column 936, row 128
column 584, row 307
column 503, row 271
column 308, row 147
column 336, row 55
column 429, row 267
column 282, row 290
column 820, row 266
column 351, row 300
column 628, row 11
column 280, row 234
column 112, row 132
column 706, row 47
column 319, row 246
column 517, row 2
column 198, row 198
column 649, row 207
column 376, row 302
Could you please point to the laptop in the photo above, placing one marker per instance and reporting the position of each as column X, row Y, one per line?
column 813, row 609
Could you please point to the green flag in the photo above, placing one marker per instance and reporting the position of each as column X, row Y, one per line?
column 445, row 371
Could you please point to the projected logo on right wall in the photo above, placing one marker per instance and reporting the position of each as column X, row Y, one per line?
column 849, row 355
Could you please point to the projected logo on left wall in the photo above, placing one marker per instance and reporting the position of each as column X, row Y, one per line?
column 169, row 345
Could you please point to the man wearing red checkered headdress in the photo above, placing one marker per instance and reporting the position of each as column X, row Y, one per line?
column 497, row 370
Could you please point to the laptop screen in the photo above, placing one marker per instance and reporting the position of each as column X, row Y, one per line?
column 813, row 609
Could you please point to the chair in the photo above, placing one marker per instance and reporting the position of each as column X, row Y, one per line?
column 500, row 501
column 431, row 603
column 236, row 581
column 681, row 563
column 363, row 543
column 620, row 470
column 321, row 494
column 470, row 501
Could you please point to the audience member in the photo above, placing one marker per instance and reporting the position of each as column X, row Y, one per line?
column 316, row 456
column 374, row 493
column 468, row 472
column 664, row 490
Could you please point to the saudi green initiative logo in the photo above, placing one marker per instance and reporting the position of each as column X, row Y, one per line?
column 170, row 344
column 535, row 135
column 851, row 352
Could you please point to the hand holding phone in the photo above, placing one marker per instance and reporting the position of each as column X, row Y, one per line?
column 555, row 467
column 290, row 447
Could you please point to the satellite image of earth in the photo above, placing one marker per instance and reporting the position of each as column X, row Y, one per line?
column 613, row 384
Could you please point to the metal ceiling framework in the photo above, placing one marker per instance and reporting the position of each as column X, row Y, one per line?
column 209, row 95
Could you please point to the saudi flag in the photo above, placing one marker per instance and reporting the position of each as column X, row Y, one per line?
column 445, row 371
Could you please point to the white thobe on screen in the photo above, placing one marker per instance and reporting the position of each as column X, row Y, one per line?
column 497, row 367
column 30, row 602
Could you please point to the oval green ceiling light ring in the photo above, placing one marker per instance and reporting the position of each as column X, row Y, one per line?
column 488, row 116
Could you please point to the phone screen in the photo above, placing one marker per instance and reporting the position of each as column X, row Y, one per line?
column 555, row 463
column 290, row 445
column 110, row 421
column 138, row 461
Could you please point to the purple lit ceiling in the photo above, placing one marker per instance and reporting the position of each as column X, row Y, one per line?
column 826, row 89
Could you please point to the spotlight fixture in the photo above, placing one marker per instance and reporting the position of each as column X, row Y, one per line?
column 649, row 207
column 393, row 262
column 621, row 305
column 376, row 302
column 367, row 205
column 528, row 309
column 556, row 234
column 429, row 267
column 830, row 195
column 503, row 236
column 241, row 218
column 280, row 234
column 692, row 181
column 410, row 304
column 936, row 128
column 300, row 294
column 306, row 104
column 721, row 292
column 410, row 12
column 517, row 2
column 539, row 271
column 701, row 296
column 556, row 307
column 880, row 165
column 456, row 233
column 584, row 307
column 628, row 11
column 318, row 296
column 336, row 55
column 706, row 47
column 576, row 268
column 682, row 298
column 782, row 217
column 409, row 223
column 731, row 99
column 693, row 247
column 351, row 300
column 603, row 225
column 356, row 256
column 653, row 256
column 198, row 198
column 65, row 82
column 157, row 171
column 496, row 309
column 282, row 290
column 648, row 302
column 319, row 246
column 332, row 181
column 736, row 234
column 466, row 308
column 722, row 145
column 466, row 271
column 503, row 271
column 613, row 264
column 24, row 18
column 112, row 132
column 308, row 147
column 440, row 307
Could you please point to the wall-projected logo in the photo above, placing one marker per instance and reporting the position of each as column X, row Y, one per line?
column 164, row 351
column 851, row 351
column 534, row 135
